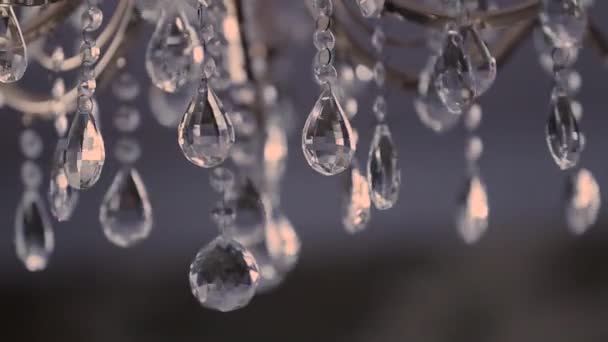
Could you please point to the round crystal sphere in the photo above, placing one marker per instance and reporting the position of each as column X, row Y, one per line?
column 92, row 18
column 224, row 275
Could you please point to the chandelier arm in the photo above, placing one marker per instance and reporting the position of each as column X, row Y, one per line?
column 43, row 106
column 48, row 19
column 598, row 40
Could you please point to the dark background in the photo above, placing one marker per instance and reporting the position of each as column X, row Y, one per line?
column 408, row 277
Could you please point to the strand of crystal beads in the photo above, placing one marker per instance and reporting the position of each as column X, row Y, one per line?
column 327, row 138
column 473, row 208
column 34, row 237
column 205, row 133
column 211, row 15
column 85, row 150
column 125, row 213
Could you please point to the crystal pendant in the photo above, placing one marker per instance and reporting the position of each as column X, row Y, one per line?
column 473, row 210
column 125, row 213
column 371, row 8
column 454, row 79
column 174, row 52
column 327, row 138
column 356, row 208
column 252, row 213
column 61, row 196
column 270, row 277
column 206, row 134
column 564, row 21
column 13, row 52
column 224, row 275
column 85, row 152
column 565, row 140
column 481, row 59
column 583, row 201
column 383, row 173
column 34, row 238
column 283, row 243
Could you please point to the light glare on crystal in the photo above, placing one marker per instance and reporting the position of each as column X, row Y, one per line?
column 473, row 211
column 583, row 201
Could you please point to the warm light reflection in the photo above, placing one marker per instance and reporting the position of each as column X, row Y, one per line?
column 357, row 209
column 584, row 202
column 473, row 214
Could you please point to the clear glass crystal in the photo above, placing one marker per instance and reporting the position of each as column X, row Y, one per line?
column 85, row 152
column 125, row 213
column 371, row 8
column 473, row 210
column 583, row 201
column 324, row 40
column 206, row 134
column 378, row 39
column 127, row 150
column 31, row 174
column 380, row 108
column 251, row 213
column 174, row 52
column 221, row 179
column 224, row 275
column 283, row 243
column 356, row 206
column 58, row 89
column 92, row 18
column 13, row 52
column 90, row 53
column 125, row 87
column 482, row 62
column 34, row 239
column 563, row 21
column 31, row 144
column 127, row 118
column 270, row 277
column 473, row 149
column 383, row 172
column 327, row 136
column 565, row 140
column 61, row 196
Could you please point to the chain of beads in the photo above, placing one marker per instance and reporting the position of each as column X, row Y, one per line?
column 324, row 41
column 92, row 19
column 211, row 15
column 378, row 42
column 127, row 118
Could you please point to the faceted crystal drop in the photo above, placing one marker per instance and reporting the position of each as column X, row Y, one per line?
column 206, row 134
column 383, row 173
column 583, row 201
column 125, row 213
column 34, row 238
column 251, row 214
column 85, row 152
column 371, row 8
column 564, row 21
column 283, row 243
column 174, row 52
column 61, row 196
column 13, row 53
column 481, row 59
column 473, row 210
column 565, row 140
column 224, row 275
column 327, row 136
column 356, row 208
column 453, row 75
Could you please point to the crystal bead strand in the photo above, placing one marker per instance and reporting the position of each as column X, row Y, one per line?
column 211, row 23
column 327, row 138
column 473, row 207
column 34, row 237
column 85, row 150
column 125, row 213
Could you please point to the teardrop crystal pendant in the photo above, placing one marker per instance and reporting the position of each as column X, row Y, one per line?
column 356, row 207
column 85, row 151
column 473, row 210
column 565, row 140
column 34, row 237
column 383, row 172
column 564, row 21
column 224, row 275
column 283, row 243
column 583, row 201
column 13, row 52
column 125, row 213
column 206, row 134
column 454, row 80
column 61, row 196
column 481, row 59
column 174, row 52
column 327, row 137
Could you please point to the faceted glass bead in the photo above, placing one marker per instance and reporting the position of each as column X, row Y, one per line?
column 283, row 243
column 61, row 196
column 583, row 201
column 383, row 172
column 31, row 175
column 174, row 52
column 371, row 8
column 563, row 21
column 473, row 149
column 379, row 108
column 221, row 179
column 378, row 39
column 327, row 136
column 324, row 40
column 13, row 52
column 356, row 207
column 127, row 150
column 251, row 213
column 58, row 89
column 125, row 213
column 125, row 87
column 206, row 134
column 224, row 275
column 127, row 118
column 473, row 210
column 379, row 74
column 92, row 18
column 453, row 75
column 481, row 59
column 31, row 144
column 565, row 140
column 34, row 239
column 85, row 152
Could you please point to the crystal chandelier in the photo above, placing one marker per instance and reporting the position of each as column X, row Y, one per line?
column 209, row 59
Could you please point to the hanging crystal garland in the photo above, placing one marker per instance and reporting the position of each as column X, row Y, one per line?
column 13, row 52
column 34, row 237
column 125, row 213
column 327, row 137
column 85, row 150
